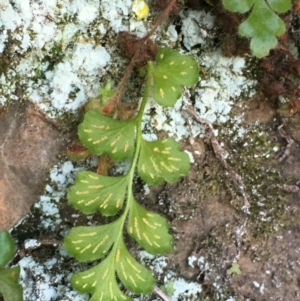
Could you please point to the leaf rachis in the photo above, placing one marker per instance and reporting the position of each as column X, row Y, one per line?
column 155, row 161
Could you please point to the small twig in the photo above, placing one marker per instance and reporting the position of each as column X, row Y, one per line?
column 222, row 154
column 288, row 188
column 165, row 13
column 191, row 138
column 238, row 235
column 161, row 294
column 33, row 244
column 284, row 134
column 142, row 41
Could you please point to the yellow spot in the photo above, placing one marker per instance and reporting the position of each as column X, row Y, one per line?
column 111, row 291
column 85, row 286
column 94, row 284
column 126, row 145
column 77, row 248
column 84, row 181
column 88, row 234
column 183, row 73
column 101, row 127
column 183, row 62
column 174, row 168
column 147, row 238
column 104, row 204
column 149, row 214
column 92, row 201
column 115, row 150
column 157, row 224
column 105, row 238
column 156, row 244
column 165, row 152
column 132, row 280
column 88, row 276
column 101, row 298
column 156, row 149
column 154, row 164
column 136, row 225
column 140, row 9
column 162, row 94
column 157, row 236
column 86, row 248
column 133, row 266
column 148, row 224
column 88, row 131
column 105, row 273
column 151, row 175
column 172, row 63
column 77, row 241
column 174, row 159
column 130, row 230
column 191, row 67
column 90, row 139
column 141, row 278
column 116, row 139
column 81, row 192
column 165, row 77
column 81, row 201
column 173, row 88
column 143, row 168
column 123, row 270
column 93, row 177
column 118, row 255
column 161, row 56
column 100, row 140
column 95, row 186
column 118, row 203
column 165, row 166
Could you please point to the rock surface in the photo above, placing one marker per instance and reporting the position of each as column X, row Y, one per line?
column 29, row 146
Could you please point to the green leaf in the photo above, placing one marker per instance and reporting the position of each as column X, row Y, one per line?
column 235, row 269
column 107, row 92
column 240, row 6
column 133, row 275
column 9, row 286
column 92, row 192
column 7, row 249
column 90, row 243
column 263, row 25
column 100, row 281
column 172, row 71
column 280, row 6
column 149, row 229
column 168, row 288
column 162, row 161
column 104, row 135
